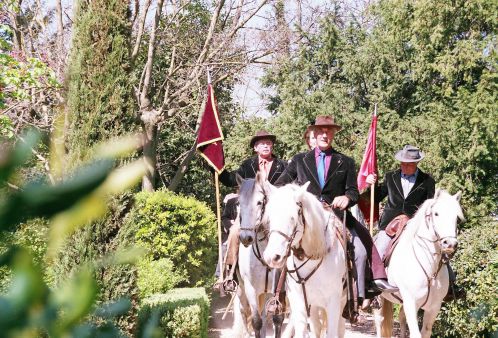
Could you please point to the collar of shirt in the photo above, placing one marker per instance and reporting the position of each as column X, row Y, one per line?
column 412, row 177
column 328, row 152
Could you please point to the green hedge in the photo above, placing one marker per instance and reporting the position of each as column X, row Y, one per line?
column 182, row 313
column 476, row 264
column 157, row 276
column 178, row 228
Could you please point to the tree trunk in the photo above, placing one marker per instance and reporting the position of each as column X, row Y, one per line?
column 150, row 155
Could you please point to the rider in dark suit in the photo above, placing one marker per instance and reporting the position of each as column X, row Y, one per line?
column 262, row 143
column 406, row 190
column 332, row 177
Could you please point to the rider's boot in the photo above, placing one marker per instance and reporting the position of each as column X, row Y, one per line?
column 384, row 286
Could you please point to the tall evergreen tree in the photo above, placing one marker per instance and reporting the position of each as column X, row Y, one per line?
column 100, row 107
column 99, row 96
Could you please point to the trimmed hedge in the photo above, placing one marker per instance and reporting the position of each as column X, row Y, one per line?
column 476, row 265
column 182, row 313
column 181, row 229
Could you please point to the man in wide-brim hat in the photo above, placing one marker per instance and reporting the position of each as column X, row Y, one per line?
column 264, row 160
column 332, row 178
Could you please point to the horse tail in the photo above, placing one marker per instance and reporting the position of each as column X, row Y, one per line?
column 386, row 326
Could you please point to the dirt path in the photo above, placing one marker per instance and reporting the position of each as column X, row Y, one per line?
column 219, row 328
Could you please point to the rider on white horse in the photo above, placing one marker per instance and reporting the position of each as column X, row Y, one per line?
column 407, row 189
column 265, row 161
column 332, row 179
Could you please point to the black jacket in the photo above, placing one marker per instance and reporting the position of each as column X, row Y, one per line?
column 249, row 168
column 341, row 176
column 422, row 190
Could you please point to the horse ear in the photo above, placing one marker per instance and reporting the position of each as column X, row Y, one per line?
column 267, row 187
column 438, row 192
column 302, row 189
column 239, row 179
column 260, row 177
column 458, row 196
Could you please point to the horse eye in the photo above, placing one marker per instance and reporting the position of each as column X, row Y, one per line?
column 436, row 214
column 260, row 203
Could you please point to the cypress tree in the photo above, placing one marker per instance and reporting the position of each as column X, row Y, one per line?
column 99, row 99
column 100, row 107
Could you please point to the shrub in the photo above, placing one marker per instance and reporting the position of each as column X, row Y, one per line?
column 182, row 312
column 179, row 228
column 477, row 272
column 31, row 235
column 157, row 276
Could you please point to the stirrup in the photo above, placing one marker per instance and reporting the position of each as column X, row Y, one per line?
column 274, row 306
column 230, row 285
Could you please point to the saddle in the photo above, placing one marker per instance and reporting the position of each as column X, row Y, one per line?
column 394, row 230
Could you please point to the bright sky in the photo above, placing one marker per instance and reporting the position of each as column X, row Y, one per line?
column 248, row 92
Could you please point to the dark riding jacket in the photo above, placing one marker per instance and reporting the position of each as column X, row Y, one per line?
column 397, row 204
column 340, row 179
column 249, row 168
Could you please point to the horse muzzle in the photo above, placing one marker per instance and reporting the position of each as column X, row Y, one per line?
column 449, row 245
column 246, row 238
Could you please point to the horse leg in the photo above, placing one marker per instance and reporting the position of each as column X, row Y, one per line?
column 429, row 318
column 384, row 318
column 334, row 314
column 410, row 310
column 315, row 324
column 402, row 322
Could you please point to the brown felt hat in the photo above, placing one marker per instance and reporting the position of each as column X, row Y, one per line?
column 325, row 121
column 260, row 135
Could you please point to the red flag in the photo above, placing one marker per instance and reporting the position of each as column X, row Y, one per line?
column 368, row 166
column 210, row 136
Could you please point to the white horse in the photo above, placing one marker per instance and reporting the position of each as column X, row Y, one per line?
column 303, row 238
column 255, row 276
column 417, row 267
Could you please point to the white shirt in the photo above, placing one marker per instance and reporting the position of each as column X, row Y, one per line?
column 407, row 182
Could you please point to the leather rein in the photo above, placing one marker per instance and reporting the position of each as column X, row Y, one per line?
column 300, row 254
column 257, row 229
column 440, row 257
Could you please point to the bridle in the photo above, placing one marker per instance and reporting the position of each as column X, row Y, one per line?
column 257, row 229
column 439, row 256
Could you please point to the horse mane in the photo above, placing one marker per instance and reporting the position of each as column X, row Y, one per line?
column 314, row 241
column 423, row 210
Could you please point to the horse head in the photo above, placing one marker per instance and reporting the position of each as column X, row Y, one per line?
column 289, row 211
column 444, row 213
column 252, row 200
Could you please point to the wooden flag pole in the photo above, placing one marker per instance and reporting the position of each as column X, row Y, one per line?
column 372, row 206
column 218, row 214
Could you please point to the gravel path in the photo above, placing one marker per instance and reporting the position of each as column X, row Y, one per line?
column 219, row 328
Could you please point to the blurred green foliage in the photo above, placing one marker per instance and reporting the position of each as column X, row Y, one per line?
column 29, row 308
column 179, row 228
column 180, row 312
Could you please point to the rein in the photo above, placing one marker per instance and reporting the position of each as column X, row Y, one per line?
column 441, row 261
column 259, row 228
column 300, row 254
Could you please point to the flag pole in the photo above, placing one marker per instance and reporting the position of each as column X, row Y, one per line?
column 218, row 216
column 372, row 194
column 218, row 211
